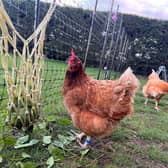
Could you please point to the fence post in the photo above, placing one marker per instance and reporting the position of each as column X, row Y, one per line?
column 36, row 20
column 36, row 13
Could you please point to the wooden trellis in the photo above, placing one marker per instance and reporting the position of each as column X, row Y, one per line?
column 23, row 69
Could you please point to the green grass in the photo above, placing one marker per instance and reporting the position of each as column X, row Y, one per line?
column 138, row 142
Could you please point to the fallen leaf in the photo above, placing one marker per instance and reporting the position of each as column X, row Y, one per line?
column 22, row 140
column 31, row 143
column 50, row 162
column 46, row 140
column 25, row 155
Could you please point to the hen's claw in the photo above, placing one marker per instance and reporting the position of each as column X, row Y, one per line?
column 86, row 142
column 82, row 145
column 156, row 108
column 80, row 136
column 146, row 102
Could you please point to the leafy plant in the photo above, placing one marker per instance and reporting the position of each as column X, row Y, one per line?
column 21, row 142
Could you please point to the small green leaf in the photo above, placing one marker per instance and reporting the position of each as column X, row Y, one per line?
column 64, row 121
column 31, row 143
column 1, row 144
column 51, row 147
column 66, row 139
column 30, row 165
column 1, row 159
column 84, row 152
column 25, row 155
column 50, row 118
column 50, row 162
column 9, row 141
column 56, row 151
column 71, row 138
column 22, row 140
column 1, row 147
column 46, row 140
column 63, row 139
column 58, row 144
column 20, row 165
column 42, row 125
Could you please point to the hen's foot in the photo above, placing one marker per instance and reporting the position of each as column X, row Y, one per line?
column 156, row 108
column 146, row 102
column 80, row 136
column 86, row 142
column 82, row 145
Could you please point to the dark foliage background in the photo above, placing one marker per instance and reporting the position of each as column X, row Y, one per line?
column 69, row 27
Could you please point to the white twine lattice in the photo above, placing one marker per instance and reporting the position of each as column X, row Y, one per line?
column 23, row 69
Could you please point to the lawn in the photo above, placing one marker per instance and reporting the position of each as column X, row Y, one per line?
column 138, row 142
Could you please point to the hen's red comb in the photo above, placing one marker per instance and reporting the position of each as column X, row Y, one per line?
column 72, row 57
column 72, row 53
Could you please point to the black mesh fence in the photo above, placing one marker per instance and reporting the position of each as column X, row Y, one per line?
column 68, row 28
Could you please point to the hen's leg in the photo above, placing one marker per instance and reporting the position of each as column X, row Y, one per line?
column 156, row 104
column 146, row 101
column 86, row 142
column 80, row 136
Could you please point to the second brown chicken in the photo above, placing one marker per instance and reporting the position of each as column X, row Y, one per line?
column 155, row 88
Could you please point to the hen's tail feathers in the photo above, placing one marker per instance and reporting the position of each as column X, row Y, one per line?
column 153, row 75
column 129, row 80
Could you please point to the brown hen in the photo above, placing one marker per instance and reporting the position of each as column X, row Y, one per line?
column 155, row 88
column 97, row 106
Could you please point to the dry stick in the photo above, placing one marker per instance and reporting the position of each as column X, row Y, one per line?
column 37, row 11
column 4, row 60
column 105, row 40
column 112, row 41
column 115, row 48
column 9, row 23
column 126, row 50
column 14, row 70
column 122, row 53
column 14, row 73
column 120, row 49
column 41, row 46
column 27, row 94
column 4, row 32
column 44, row 21
column 117, row 41
column 90, row 33
column 126, row 47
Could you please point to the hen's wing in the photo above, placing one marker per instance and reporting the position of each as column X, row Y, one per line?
column 112, row 99
column 154, row 88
